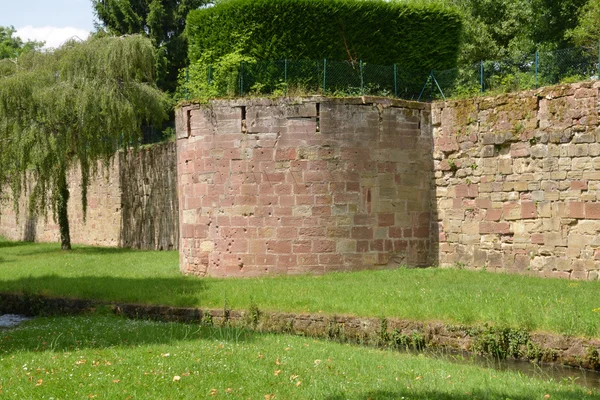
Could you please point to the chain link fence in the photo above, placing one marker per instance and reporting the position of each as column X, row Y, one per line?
column 358, row 78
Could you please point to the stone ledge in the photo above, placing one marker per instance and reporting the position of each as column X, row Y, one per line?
column 539, row 346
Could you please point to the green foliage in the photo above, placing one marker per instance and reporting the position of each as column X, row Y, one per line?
column 414, row 35
column 11, row 47
column 163, row 21
column 73, row 106
column 587, row 31
column 502, row 343
column 204, row 79
column 497, row 29
column 414, row 341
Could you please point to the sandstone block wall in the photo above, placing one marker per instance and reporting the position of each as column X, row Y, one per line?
column 133, row 205
column 303, row 186
column 518, row 182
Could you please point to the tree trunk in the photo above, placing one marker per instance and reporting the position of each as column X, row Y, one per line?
column 63, row 218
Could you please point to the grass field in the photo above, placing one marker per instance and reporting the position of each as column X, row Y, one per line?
column 452, row 296
column 106, row 357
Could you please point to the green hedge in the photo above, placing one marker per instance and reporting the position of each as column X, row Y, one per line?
column 415, row 35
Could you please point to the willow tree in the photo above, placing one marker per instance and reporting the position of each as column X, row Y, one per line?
column 74, row 106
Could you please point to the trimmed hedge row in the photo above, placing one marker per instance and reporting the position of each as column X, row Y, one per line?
column 416, row 36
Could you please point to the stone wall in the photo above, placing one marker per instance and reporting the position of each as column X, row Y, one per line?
column 303, row 186
column 518, row 182
column 133, row 203
column 150, row 208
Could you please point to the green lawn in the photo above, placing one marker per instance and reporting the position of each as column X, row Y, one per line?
column 106, row 357
column 452, row 296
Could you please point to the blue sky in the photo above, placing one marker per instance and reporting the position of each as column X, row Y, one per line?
column 52, row 21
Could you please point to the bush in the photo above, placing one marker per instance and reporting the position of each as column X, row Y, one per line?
column 417, row 36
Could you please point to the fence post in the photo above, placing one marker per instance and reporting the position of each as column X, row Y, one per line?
column 209, row 74
column 324, row 75
column 481, row 71
column 395, row 81
column 285, row 75
column 362, row 81
column 537, row 65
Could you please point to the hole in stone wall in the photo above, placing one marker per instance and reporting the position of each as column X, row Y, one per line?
column 189, row 122
column 243, row 119
column 318, row 117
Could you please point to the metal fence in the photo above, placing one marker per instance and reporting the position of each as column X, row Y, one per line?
column 357, row 78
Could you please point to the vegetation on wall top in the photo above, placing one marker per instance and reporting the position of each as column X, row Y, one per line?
column 414, row 35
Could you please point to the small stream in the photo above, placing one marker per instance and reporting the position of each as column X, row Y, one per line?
column 11, row 320
column 558, row 373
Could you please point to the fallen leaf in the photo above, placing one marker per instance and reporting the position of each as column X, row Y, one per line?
column 547, row 396
column 116, row 381
column 298, row 383
column 294, row 377
column 165, row 354
column 80, row 362
column 276, row 373
column 317, row 362
column 287, row 348
column 213, row 392
column 39, row 382
column 176, row 378
column 228, row 390
column 269, row 396
column 418, row 377
column 277, row 362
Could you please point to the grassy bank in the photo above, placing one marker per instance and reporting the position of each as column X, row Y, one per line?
column 109, row 357
column 451, row 296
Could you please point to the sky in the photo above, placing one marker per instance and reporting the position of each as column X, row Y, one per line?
column 51, row 21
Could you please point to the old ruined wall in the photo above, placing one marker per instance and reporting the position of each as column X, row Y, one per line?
column 103, row 214
column 306, row 185
column 133, row 203
column 518, row 182
column 150, row 208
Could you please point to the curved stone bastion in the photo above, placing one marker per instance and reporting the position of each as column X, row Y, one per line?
column 304, row 185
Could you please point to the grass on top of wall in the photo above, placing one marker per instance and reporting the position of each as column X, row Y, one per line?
column 107, row 357
column 448, row 295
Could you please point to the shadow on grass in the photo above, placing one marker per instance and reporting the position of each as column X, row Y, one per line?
column 8, row 244
column 438, row 395
column 67, row 334
column 177, row 291
column 20, row 249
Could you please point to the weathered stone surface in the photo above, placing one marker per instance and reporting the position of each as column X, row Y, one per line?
column 309, row 186
column 132, row 203
column 542, row 177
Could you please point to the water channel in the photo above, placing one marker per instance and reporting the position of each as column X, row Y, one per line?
column 558, row 373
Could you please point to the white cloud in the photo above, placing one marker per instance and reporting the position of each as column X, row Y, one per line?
column 53, row 36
